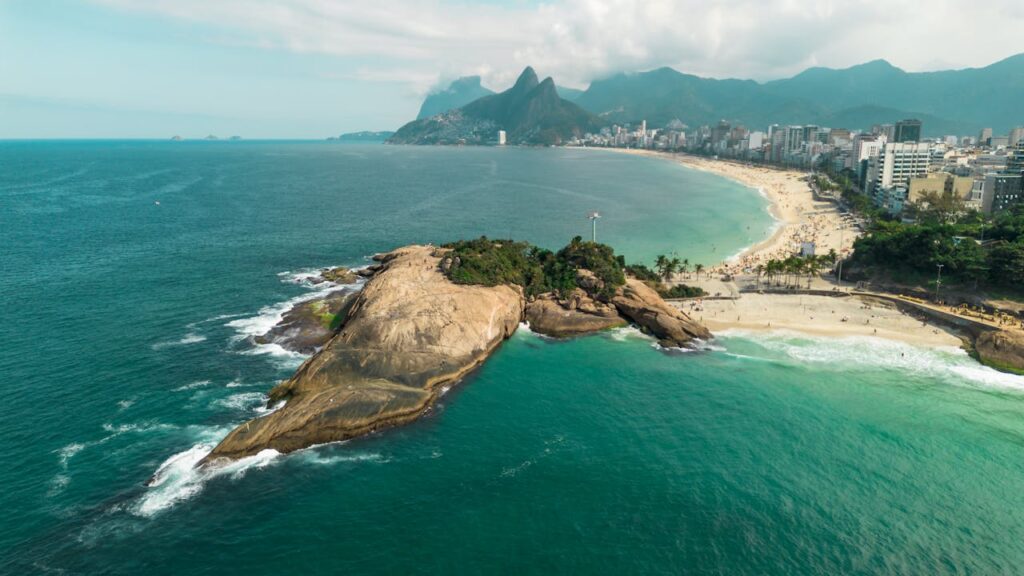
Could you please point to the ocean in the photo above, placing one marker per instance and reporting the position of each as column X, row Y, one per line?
column 134, row 272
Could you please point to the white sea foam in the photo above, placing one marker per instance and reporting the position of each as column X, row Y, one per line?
column 68, row 452
column 125, row 404
column 286, row 359
column 190, row 338
column 949, row 364
column 624, row 333
column 242, row 401
column 58, row 484
column 524, row 328
column 315, row 457
column 192, row 385
column 179, row 479
column 270, row 316
column 139, row 427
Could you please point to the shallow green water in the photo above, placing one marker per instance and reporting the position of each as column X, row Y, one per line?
column 124, row 355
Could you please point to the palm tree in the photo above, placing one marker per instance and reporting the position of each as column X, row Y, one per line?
column 698, row 268
column 661, row 264
column 671, row 267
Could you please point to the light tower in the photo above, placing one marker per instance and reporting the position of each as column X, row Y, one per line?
column 593, row 225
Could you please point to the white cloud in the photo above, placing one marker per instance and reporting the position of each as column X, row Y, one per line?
column 423, row 41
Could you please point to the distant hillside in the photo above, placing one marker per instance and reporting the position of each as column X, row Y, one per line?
column 530, row 112
column 465, row 90
column 570, row 94
column 954, row 101
column 364, row 136
column 458, row 94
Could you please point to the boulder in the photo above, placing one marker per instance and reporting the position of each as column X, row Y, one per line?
column 309, row 325
column 643, row 306
column 549, row 317
column 339, row 275
column 1001, row 349
column 409, row 333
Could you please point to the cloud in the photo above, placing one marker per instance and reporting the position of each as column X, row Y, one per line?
column 422, row 42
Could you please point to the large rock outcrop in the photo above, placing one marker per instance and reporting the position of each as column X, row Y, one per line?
column 410, row 332
column 578, row 314
column 1001, row 349
column 641, row 304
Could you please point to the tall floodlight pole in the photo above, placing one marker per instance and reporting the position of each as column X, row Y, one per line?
column 593, row 225
column 938, row 282
column 839, row 277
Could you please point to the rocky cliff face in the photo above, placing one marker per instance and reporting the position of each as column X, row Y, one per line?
column 579, row 314
column 1002, row 349
column 647, row 309
column 409, row 333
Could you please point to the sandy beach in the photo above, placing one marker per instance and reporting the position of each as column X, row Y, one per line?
column 819, row 316
column 800, row 217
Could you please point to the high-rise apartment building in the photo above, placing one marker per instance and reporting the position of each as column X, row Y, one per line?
column 1016, row 136
column 907, row 131
column 985, row 137
column 897, row 163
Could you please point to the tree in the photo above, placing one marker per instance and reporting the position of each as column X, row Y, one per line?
column 661, row 263
column 698, row 269
column 938, row 207
column 674, row 265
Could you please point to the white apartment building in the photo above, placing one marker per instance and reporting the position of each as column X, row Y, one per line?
column 897, row 163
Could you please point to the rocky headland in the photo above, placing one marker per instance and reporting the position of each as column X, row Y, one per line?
column 426, row 317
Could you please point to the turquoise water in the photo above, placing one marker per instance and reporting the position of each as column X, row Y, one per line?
column 124, row 355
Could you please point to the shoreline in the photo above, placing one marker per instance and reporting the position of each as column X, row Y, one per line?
column 798, row 216
column 821, row 316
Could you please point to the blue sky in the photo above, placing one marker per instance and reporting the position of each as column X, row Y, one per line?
column 313, row 68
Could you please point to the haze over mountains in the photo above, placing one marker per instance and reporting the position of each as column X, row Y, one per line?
column 530, row 112
column 948, row 102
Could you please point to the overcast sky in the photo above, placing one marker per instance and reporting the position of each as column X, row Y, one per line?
column 313, row 68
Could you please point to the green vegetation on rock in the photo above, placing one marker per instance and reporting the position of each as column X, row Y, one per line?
column 492, row 262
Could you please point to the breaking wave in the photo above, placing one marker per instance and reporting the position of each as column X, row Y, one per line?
column 950, row 364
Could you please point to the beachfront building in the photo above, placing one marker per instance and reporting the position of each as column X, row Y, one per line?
column 897, row 163
column 1002, row 191
column 940, row 183
column 891, row 199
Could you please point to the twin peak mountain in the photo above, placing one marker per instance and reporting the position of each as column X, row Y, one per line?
column 530, row 112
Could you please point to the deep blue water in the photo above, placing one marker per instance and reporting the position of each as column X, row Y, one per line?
column 123, row 353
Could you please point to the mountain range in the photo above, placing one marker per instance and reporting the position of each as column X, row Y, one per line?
column 948, row 102
column 530, row 112
column 466, row 89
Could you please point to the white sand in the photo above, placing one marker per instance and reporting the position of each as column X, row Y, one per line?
column 791, row 202
column 819, row 316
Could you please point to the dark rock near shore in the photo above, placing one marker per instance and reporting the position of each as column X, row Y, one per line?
column 309, row 325
column 339, row 275
column 641, row 304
